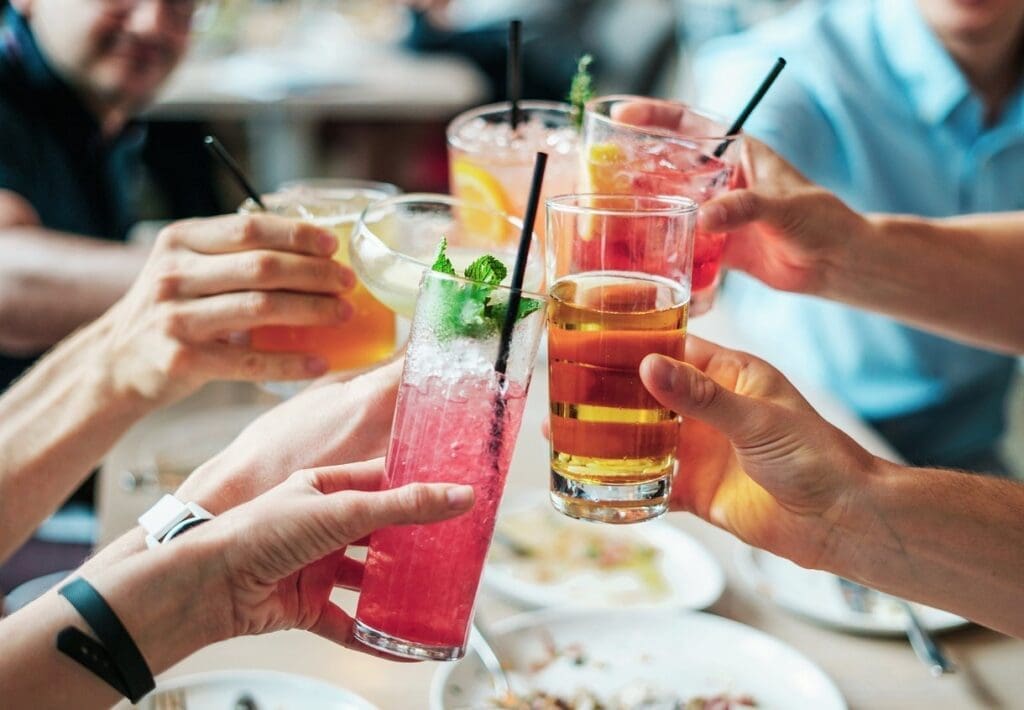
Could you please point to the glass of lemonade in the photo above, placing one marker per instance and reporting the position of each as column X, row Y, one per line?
column 491, row 165
column 456, row 421
column 619, row 268
column 673, row 154
column 397, row 240
column 371, row 334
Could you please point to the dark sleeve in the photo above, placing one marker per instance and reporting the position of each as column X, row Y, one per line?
column 20, row 163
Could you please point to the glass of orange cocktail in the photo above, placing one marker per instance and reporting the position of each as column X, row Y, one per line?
column 619, row 268
column 371, row 334
column 491, row 163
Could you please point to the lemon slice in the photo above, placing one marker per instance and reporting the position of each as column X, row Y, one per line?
column 475, row 185
column 604, row 162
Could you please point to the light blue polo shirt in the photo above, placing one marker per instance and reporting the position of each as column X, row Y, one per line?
column 872, row 107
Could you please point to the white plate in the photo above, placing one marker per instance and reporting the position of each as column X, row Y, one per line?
column 679, row 653
column 817, row 596
column 683, row 574
column 218, row 690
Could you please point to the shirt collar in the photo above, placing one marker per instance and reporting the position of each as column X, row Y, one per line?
column 21, row 51
column 934, row 82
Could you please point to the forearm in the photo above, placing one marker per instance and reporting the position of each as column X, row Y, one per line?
column 52, row 283
column 947, row 539
column 164, row 599
column 60, row 419
column 955, row 277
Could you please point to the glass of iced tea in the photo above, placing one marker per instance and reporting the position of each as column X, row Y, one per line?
column 640, row 146
column 372, row 333
column 619, row 268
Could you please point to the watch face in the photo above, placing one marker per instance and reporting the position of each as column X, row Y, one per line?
column 168, row 512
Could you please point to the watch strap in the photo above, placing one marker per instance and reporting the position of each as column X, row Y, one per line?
column 114, row 637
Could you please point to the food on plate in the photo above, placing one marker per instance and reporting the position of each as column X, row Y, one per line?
column 542, row 547
column 634, row 697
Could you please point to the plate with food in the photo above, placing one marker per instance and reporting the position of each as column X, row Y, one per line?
column 239, row 689
column 826, row 599
column 542, row 559
column 636, row 660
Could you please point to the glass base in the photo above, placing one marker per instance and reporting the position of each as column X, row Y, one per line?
column 406, row 649
column 701, row 301
column 610, row 503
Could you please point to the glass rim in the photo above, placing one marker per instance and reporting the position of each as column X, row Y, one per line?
column 451, row 132
column 431, row 198
column 327, row 185
column 590, row 106
column 286, row 196
column 431, row 274
column 671, row 205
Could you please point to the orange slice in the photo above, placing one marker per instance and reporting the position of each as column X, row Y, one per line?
column 475, row 185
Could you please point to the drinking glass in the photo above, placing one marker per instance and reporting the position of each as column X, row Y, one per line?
column 397, row 240
column 456, row 421
column 371, row 334
column 677, row 156
column 619, row 270
column 491, row 165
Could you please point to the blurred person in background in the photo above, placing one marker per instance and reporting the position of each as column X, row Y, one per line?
column 898, row 106
column 74, row 74
column 555, row 34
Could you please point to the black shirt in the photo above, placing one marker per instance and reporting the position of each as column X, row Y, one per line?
column 53, row 153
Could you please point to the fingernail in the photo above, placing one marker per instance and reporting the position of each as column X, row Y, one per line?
column 661, row 371
column 346, row 276
column 327, row 242
column 316, row 366
column 459, row 497
column 344, row 309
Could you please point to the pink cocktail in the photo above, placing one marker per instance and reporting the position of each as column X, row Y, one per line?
column 648, row 147
column 456, row 422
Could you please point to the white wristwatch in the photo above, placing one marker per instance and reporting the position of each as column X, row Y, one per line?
column 169, row 517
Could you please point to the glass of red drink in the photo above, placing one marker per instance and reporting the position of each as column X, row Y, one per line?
column 641, row 146
column 619, row 269
column 456, row 421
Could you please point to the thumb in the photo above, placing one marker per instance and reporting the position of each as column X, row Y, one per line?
column 688, row 391
column 360, row 512
column 735, row 210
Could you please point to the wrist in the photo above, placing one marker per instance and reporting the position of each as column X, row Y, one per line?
column 218, row 485
column 170, row 599
column 843, row 263
column 862, row 531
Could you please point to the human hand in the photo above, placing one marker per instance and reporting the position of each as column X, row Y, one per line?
column 754, row 456
column 207, row 282
column 783, row 229
column 277, row 558
column 352, row 422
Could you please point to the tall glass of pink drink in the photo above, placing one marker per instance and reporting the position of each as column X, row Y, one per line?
column 456, row 422
column 648, row 147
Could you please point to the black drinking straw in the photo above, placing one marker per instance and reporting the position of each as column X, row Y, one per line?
column 219, row 152
column 519, row 270
column 737, row 125
column 514, row 72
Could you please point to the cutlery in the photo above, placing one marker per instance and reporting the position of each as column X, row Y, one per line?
column 862, row 600
column 480, row 641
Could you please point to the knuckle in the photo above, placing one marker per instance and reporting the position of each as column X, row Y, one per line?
column 259, row 304
column 703, row 390
column 181, row 361
column 168, row 282
column 252, row 365
column 264, row 266
column 248, row 231
column 415, row 499
column 174, row 323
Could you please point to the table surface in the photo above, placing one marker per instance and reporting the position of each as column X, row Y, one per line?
column 368, row 82
column 870, row 672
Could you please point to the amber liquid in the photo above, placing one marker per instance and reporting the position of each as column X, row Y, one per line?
column 365, row 339
column 606, row 428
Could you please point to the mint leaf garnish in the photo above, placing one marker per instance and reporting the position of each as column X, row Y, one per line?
column 466, row 309
column 582, row 89
column 487, row 269
column 441, row 262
